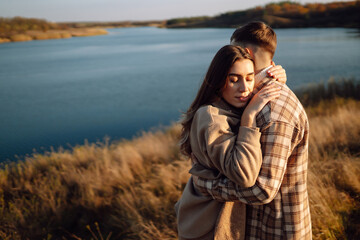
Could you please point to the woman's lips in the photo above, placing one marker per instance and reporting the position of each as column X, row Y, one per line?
column 243, row 98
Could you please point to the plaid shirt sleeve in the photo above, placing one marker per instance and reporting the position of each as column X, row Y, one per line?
column 277, row 142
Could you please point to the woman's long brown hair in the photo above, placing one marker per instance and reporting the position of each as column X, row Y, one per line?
column 211, row 88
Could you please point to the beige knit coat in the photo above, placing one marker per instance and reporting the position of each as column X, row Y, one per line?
column 223, row 147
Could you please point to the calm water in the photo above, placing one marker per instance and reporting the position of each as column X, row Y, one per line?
column 61, row 92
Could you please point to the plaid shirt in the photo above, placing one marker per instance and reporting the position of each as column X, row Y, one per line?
column 277, row 205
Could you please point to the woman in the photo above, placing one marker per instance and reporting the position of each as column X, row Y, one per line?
column 219, row 132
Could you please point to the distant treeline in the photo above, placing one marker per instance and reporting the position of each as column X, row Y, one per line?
column 278, row 15
column 282, row 15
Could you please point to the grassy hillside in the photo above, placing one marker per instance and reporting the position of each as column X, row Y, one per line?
column 26, row 29
column 281, row 15
column 127, row 189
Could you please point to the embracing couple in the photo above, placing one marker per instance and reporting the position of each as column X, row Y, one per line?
column 247, row 136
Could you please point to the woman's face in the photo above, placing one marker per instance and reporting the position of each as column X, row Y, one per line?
column 239, row 83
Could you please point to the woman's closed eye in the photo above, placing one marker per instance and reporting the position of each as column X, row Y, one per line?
column 250, row 78
column 233, row 78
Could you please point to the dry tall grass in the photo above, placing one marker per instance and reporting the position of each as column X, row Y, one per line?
column 334, row 171
column 127, row 190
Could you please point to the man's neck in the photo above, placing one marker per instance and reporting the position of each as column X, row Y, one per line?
column 262, row 60
column 260, row 69
column 260, row 64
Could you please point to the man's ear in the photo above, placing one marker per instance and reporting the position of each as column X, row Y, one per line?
column 248, row 50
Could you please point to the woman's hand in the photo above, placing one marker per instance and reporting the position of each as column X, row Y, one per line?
column 257, row 103
column 278, row 73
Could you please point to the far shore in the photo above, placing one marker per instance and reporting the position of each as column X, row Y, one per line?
column 53, row 34
column 277, row 15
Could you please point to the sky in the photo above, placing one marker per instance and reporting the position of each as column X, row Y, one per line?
column 123, row 10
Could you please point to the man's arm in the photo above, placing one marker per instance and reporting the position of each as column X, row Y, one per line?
column 277, row 144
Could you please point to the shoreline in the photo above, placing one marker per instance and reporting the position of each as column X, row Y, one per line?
column 32, row 35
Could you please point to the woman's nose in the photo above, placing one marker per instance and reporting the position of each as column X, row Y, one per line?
column 242, row 86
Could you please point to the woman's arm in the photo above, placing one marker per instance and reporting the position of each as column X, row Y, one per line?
column 217, row 147
column 277, row 72
column 239, row 157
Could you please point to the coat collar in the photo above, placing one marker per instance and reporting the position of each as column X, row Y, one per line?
column 221, row 103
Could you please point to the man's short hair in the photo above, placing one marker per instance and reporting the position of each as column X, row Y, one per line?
column 256, row 33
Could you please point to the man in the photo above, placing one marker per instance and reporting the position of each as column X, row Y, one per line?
column 277, row 205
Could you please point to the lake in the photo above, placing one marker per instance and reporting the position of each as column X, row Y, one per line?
column 61, row 92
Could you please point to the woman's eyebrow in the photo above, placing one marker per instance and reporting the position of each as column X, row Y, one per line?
column 239, row 75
